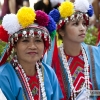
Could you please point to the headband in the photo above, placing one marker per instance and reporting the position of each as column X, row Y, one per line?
column 80, row 9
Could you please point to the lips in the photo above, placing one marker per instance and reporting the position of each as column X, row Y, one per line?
column 32, row 53
column 82, row 34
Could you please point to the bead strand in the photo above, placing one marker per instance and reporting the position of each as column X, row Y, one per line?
column 86, row 73
column 26, row 83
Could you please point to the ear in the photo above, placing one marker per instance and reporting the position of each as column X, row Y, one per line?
column 61, row 32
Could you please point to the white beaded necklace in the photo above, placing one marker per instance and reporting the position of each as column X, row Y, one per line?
column 41, row 81
column 86, row 74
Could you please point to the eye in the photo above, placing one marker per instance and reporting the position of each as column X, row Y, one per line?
column 84, row 24
column 25, row 40
column 76, row 23
column 38, row 40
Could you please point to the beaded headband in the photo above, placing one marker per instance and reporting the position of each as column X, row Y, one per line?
column 26, row 22
column 80, row 9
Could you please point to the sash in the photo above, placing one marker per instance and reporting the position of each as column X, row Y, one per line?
column 93, row 68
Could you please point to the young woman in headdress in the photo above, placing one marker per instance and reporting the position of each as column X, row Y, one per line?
column 76, row 64
column 26, row 77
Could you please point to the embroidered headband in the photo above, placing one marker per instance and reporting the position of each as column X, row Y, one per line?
column 26, row 22
column 80, row 9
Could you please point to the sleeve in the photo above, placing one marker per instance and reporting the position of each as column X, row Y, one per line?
column 10, row 84
column 57, row 92
column 52, row 87
column 5, row 87
column 95, row 67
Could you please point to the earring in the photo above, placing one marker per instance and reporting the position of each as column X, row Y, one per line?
column 12, row 54
column 15, row 61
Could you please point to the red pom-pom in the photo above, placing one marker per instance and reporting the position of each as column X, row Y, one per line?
column 3, row 34
column 42, row 18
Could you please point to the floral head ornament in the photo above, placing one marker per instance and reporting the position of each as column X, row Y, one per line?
column 26, row 22
column 80, row 9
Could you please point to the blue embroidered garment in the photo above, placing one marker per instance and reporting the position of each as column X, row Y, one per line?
column 12, row 88
column 57, row 65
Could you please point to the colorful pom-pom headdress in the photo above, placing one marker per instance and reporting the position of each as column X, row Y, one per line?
column 80, row 9
column 26, row 22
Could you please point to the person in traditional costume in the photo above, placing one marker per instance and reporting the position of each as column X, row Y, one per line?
column 77, row 65
column 26, row 77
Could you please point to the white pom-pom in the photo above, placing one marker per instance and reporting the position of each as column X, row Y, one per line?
column 81, row 5
column 10, row 23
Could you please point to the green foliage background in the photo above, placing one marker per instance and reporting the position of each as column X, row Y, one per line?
column 2, row 45
column 91, row 36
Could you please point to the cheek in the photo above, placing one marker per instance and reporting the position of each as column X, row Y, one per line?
column 19, row 53
column 72, row 32
column 41, row 48
column 20, row 50
column 69, row 34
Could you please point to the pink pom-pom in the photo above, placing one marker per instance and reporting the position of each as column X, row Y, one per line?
column 42, row 18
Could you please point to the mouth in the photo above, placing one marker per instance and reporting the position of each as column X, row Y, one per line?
column 32, row 53
column 82, row 35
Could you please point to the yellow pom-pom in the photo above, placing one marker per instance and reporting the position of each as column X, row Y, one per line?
column 26, row 16
column 66, row 9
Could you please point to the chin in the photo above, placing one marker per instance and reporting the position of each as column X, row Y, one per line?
column 82, row 40
column 33, row 60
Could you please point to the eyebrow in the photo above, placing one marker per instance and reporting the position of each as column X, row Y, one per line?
column 25, row 37
column 37, row 36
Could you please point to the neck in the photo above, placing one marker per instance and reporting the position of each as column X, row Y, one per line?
column 29, row 68
column 72, row 49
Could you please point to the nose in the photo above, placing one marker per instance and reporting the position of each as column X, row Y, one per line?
column 32, row 45
column 82, row 27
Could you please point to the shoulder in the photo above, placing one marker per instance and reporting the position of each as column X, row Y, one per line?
column 48, row 68
column 5, row 67
column 7, row 71
column 95, row 49
column 49, row 72
column 8, row 75
column 92, row 51
column 53, row 91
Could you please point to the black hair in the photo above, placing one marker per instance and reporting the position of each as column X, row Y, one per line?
column 41, row 6
column 62, row 29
